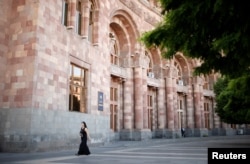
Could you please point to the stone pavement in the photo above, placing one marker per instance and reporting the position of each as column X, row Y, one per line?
column 190, row 150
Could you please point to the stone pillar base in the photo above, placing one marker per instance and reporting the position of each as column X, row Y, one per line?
column 135, row 135
column 169, row 133
column 200, row 132
column 159, row 133
column 126, row 134
column 189, row 132
column 230, row 131
column 218, row 132
column 247, row 131
column 35, row 130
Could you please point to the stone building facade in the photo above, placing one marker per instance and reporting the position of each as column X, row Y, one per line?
column 67, row 61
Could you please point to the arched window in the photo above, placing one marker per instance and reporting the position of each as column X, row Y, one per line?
column 114, row 55
column 206, row 84
column 179, row 78
column 150, row 72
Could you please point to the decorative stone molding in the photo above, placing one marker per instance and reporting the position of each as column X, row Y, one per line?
column 182, row 89
column 112, row 41
column 150, row 19
column 208, row 93
column 118, row 71
column 126, row 62
column 133, row 6
column 138, row 11
column 153, row 82
column 140, row 61
column 158, row 71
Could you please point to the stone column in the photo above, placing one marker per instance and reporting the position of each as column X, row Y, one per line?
column 190, row 107
column 170, row 103
column 211, row 115
column 201, row 104
column 140, row 97
column 197, row 110
column 145, row 100
column 161, row 114
column 175, row 103
column 85, row 18
column 72, row 14
column 161, row 107
column 138, row 91
column 197, row 97
column 128, row 104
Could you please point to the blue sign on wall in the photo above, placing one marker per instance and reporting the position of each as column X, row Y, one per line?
column 100, row 101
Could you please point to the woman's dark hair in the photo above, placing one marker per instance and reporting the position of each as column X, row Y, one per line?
column 84, row 123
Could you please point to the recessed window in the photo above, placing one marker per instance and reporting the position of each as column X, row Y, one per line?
column 78, row 17
column 179, row 78
column 150, row 111
column 207, row 115
column 78, row 89
column 114, row 54
column 65, row 6
column 113, row 108
column 91, row 22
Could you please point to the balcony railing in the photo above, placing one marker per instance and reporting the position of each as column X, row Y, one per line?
column 153, row 82
column 118, row 71
column 208, row 93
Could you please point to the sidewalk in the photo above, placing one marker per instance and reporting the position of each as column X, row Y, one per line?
column 139, row 152
column 168, row 140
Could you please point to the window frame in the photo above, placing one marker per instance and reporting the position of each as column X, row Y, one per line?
column 65, row 12
column 78, row 89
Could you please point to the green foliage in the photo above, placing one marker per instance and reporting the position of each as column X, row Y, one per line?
column 233, row 99
column 217, row 32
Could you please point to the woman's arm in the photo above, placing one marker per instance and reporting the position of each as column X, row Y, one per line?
column 80, row 133
column 87, row 132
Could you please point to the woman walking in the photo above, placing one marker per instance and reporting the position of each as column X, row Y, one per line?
column 84, row 133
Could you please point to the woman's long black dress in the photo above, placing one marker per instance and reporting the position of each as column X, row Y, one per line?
column 83, row 148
